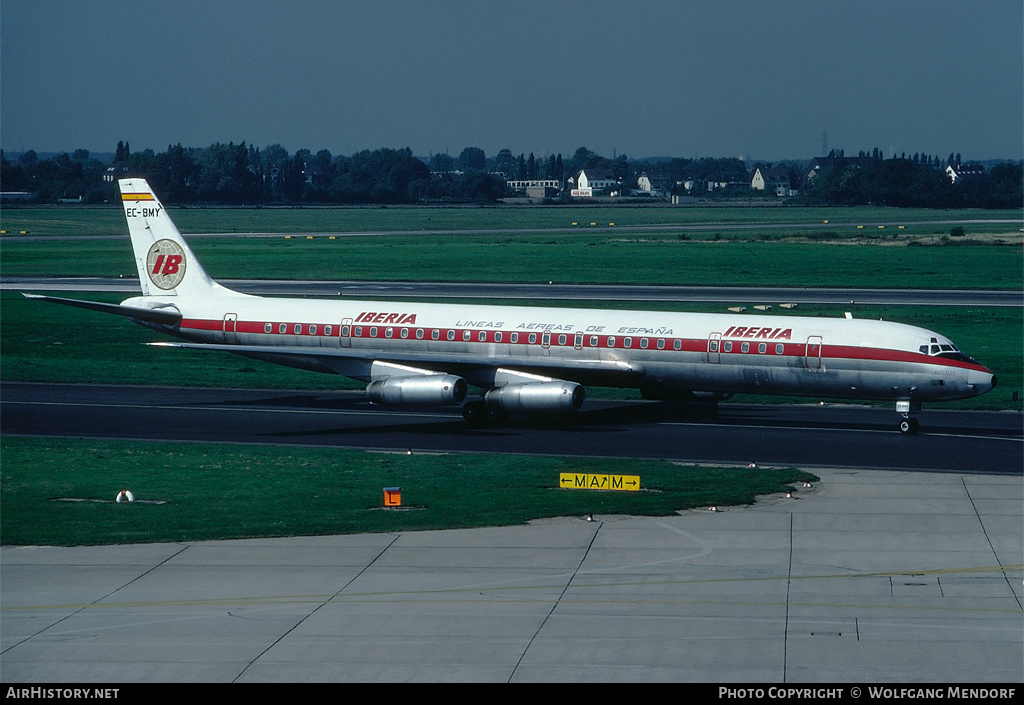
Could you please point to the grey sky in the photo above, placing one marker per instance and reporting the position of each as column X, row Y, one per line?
column 759, row 79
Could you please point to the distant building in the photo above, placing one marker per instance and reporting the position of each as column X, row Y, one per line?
column 535, row 188
column 772, row 180
column 313, row 175
column 654, row 186
column 16, row 196
column 118, row 170
column 584, row 184
column 820, row 163
column 964, row 171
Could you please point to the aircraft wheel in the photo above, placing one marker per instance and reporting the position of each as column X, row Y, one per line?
column 474, row 413
column 496, row 416
column 909, row 426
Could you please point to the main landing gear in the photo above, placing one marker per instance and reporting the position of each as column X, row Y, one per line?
column 478, row 414
column 906, row 408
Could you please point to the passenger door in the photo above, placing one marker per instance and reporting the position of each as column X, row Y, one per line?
column 715, row 347
column 812, row 356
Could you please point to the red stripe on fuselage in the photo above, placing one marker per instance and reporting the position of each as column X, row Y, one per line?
column 689, row 345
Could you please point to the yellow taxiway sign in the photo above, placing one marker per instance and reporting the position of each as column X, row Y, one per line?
column 588, row 481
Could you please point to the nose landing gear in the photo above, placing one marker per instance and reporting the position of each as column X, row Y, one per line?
column 906, row 408
column 909, row 426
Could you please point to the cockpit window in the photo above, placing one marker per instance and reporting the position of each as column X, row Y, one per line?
column 945, row 350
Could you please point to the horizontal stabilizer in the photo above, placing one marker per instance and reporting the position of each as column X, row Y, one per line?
column 164, row 316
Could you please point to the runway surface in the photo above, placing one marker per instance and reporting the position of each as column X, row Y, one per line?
column 574, row 292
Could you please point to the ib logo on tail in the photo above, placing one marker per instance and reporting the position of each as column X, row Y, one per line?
column 165, row 264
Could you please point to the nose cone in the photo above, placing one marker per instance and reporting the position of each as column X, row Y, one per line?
column 982, row 380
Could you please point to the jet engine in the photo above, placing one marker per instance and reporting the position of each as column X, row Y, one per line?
column 536, row 396
column 419, row 390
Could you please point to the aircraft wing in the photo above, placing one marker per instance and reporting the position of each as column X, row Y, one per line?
column 165, row 316
column 334, row 359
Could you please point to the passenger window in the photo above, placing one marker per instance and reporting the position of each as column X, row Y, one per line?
column 283, row 328
column 328, row 329
column 269, row 328
column 762, row 348
column 677, row 345
column 312, row 330
column 779, row 348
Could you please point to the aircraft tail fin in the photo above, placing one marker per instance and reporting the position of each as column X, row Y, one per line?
column 166, row 264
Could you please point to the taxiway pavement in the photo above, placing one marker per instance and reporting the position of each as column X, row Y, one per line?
column 867, row 577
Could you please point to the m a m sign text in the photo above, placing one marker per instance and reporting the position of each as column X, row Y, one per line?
column 586, row 481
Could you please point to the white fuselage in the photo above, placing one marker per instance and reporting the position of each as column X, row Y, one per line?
column 659, row 352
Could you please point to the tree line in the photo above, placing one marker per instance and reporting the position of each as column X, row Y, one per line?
column 913, row 182
column 245, row 175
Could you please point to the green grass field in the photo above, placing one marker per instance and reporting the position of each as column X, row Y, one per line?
column 62, row 492
column 571, row 258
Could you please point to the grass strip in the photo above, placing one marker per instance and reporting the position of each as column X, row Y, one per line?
column 596, row 259
column 58, row 491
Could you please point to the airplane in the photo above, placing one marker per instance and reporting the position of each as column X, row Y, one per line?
column 528, row 360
